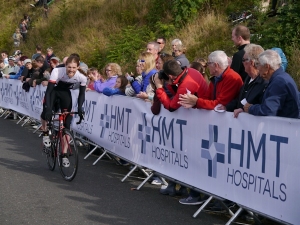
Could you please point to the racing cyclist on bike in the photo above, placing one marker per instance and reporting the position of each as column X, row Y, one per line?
column 63, row 79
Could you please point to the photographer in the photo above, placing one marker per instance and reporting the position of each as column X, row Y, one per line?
column 186, row 80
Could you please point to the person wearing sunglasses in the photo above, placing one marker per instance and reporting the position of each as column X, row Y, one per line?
column 162, row 42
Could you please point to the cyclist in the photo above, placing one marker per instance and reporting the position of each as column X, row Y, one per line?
column 63, row 79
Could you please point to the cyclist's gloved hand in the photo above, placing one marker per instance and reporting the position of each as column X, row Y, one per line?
column 48, row 115
column 80, row 113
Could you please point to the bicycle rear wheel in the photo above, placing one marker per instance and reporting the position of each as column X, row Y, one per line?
column 67, row 142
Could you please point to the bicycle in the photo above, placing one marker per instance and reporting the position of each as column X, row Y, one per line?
column 61, row 139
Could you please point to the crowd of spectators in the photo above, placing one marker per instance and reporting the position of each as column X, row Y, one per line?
column 253, row 81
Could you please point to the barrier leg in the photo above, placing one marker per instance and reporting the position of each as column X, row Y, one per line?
column 100, row 157
column 235, row 216
column 5, row 111
column 228, row 210
column 38, row 127
column 91, row 152
column 254, row 217
column 21, row 119
column 8, row 114
column 144, row 181
column 26, row 121
column 128, row 174
column 203, row 206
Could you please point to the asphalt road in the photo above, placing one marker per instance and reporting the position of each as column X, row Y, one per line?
column 31, row 194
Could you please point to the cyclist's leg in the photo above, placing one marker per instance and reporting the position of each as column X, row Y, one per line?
column 46, row 139
column 66, row 103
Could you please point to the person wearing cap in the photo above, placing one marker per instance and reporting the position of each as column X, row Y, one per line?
column 17, row 54
column 54, row 62
column 49, row 55
column 20, row 63
column 12, row 67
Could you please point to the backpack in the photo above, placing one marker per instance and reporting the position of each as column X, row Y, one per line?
column 284, row 62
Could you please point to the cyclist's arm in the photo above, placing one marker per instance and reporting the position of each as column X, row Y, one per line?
column 81, row 97
column 48, row 94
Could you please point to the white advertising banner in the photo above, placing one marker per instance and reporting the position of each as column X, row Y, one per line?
column 250, row 160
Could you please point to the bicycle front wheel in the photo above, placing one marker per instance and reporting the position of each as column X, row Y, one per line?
column 51, row 157
column 67, row 149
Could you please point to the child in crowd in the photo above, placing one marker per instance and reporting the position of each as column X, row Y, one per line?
column 17, row 36
column 92, row 73
column 118, row 89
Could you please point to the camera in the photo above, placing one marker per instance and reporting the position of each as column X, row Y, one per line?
column 162, row 75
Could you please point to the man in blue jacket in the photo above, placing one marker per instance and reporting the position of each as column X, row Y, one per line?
column 281, row 97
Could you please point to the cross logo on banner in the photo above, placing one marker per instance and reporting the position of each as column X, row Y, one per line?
column 104, row 121
column 213, row 151
column 141, row 135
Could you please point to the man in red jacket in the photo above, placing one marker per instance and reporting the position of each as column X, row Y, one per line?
column 183, row 81
column 224, row 86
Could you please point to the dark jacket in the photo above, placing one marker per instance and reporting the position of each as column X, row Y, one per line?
column 237, row 64
column 252, row 92
column 281, row 97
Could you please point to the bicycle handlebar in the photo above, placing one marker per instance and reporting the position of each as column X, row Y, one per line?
column 71, row 113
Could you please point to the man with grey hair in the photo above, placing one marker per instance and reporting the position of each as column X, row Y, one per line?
column 281, row 97
column 178, row 51
column 153, row 48
column 224, row 86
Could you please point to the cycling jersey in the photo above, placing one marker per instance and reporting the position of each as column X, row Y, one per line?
column 60, row 77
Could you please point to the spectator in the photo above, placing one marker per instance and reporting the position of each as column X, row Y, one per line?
column 179, row 53
column 19, row 73
column 153, row 48
column 162, row 42
column 281, row 97
column 201, row 65
column 129, row 89
column 17, row 54
column 17, row 36
column 224, row 86
column 38, row 49
column 112, row 71
column 49, row 55
column 183, row 80
column 148, row 67
column 54, row 62
column 3, row 68
column 119, row 88
column 240, row 37
column 23, row 29
column 94, row 73
column 4, row 55
column 12, row 67
column 254, row 85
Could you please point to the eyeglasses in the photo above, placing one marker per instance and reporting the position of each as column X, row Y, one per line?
column 209, row 63
column 159, row 43
column 141, row 60
column 107, row 70
column 245, row 59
